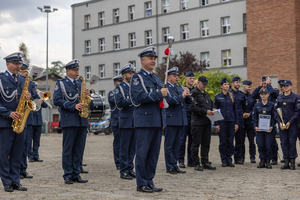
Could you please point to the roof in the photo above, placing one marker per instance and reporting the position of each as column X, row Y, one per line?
column 85, row 2
column 44, row 75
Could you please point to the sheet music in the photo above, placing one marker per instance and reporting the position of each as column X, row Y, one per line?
column 217, row 116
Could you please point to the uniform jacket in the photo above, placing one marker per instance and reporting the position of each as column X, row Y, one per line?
column 273, row 93
column 125, row 106
column 175, row 113
column 187, row 106
column 34, row 96
column 250, row 103
column 69, row 116
column 227, row 107
column 240, row 100
column 260, row 108
column 37, row 116
column 201, row 104
column 114, row 119
column 148, row 113
column 290, row 106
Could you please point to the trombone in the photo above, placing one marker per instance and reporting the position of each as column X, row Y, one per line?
column 45, row 96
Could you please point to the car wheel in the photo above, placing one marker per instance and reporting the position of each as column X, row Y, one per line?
column 95, row 133
column 107, row 131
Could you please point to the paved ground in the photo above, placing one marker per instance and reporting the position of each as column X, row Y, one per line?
column 242, row 182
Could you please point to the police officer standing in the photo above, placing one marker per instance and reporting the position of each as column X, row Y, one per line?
column 201, row 125
column 189, row 79
column 127, row 140
column 74, row 127
column 248, row 125
column 11, row 143
column 114, row 121
column 149, row 119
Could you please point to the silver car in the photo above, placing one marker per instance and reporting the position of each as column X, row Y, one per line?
column 103, row 126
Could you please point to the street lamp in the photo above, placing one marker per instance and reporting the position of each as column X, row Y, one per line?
column 47, row 9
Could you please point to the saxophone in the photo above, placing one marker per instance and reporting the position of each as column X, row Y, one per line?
column 24, row 108
column 85, row 100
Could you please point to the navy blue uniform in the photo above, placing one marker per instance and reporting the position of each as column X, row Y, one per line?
column 263, row 138
column 127, row 140
column 226, row 134
column 114, row 124
column 149, row 119
column 73, row 126
column 176, row 120
column 248, row 126
column 290, row 106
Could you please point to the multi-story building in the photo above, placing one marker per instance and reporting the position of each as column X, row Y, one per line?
column 107, row 34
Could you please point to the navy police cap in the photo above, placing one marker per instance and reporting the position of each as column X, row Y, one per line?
column 224, row 80
column 190, row 74
column 286, row 82
column 280, row 82
column 236, row 78
column 264, row 90
column 118, row 78
column 264, row 78
column 25, row 65
column 127, row 68
column 14, row 57
column 245, row 82
column 74, row 64
column 172, row 71
column 149, row 51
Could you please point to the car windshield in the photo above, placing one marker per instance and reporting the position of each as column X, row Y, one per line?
column 106, row 117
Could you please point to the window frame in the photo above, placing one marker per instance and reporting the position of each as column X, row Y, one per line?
column 131, row 12
column 227, row 26
column 245, row 22
column 165, row 35
column 132, row 41
column 88, row 74
column 117, row 69
column 118, row 42
column 87, row 21
column 116, row 15
column 204, row 2
column 148, row 37
column 205, row 29
column 207, row 60
column 148, row 9
column 102, row 93
column 184, row 4
column 88, row 47
column 101, row 16
column 101, row 45
column 133, row 62
column 102, row 71
column 228, row 58
column 165, row 6
column 184, row 32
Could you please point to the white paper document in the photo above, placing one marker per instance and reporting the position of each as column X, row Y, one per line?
column 264, row 122
column 216, row 117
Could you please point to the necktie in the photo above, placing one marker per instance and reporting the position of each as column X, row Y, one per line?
column 14, row 76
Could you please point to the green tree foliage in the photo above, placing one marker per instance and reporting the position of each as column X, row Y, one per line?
column 214, row 77
column 23, row 48
column 57, row 68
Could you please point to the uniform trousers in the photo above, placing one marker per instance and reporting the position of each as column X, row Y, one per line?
column 172, row 145
column 127, row 150
column 11, row 152
column 34, row 143
column 249, row 130
column 27, row 132
column 239, row 143
column 73, row 145
column 116, row 145
column 264, row 141
column 288, row 138
column 226, row 136
column 81, row 160
column 186, row 133
column 148, row 141
column 274, row 146
column 201, row 135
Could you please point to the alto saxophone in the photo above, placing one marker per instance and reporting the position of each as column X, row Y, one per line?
column 24, row 108
column 85, row 100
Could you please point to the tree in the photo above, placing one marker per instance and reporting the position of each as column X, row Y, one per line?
column 23, row 48
column 185, row 62
column 57, row 68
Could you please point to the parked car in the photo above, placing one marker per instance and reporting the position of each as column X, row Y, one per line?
column 56, row 127
column 103, row 126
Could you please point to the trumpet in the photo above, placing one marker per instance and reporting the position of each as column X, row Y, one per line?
column 45, row 96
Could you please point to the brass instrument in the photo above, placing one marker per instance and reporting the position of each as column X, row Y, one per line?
column 84, row 99
column 45, row 96
column 279, row 111
column 24, row 108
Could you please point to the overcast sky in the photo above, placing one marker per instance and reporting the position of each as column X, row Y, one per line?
column 21, row 21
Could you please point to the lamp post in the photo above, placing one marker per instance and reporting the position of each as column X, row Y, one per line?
column 47, row 9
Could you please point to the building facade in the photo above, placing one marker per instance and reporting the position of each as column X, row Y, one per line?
column 108, row 34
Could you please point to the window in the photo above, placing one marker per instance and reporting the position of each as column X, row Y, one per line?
column 148, row 9
column 102, row 93
column 116, row 15
column 87, row 20
column 226, row 25
column 101, row 19
column 166, row 6
column 116, row 42
column 244, row 22
column 133, row 63
column 185, row 32
column 88, row 47
column 204, row 2
column 165, row 34
column 102, row 71
column 87, row 73
column 102, row 45
column 132, row 40
column 205, row 58
column 225, row 0
column 184, row 4
column 117, row 69
column 204, row 28
column 245, row 56
column 226, row 54
column 131, row 12
column 148, row 36
column 165, row 60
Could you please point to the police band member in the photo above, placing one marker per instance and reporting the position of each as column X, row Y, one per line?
column 149, row 119
column 189, row 79
column 176, row 120
column 114, row 122
column 11, row 143
column 127, row 140
column 201, row 125
column 248, row 125
column 229, row 125
column 290, row 105
column 264, row 138
column 67, row 96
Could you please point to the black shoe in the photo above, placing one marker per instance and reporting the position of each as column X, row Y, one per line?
column 274, row 162
column 243, row 160
column 79, row 180
column 83, row 164
column 155, row 189
column 181, row 165
column 268, row 164
column 132, row 174
column 84, row 172
column 252, row 161
column 198, row 168
column 21, row 176
column 118, row 167
column 68, row 181
column 25, row 175
column 286, row 164
column 282, row 161
column 31, row 160
column 238, row 162
column 19, row 187
column 230, row 164
column 179, row 171
column 298, row 165
column 8, row 188
column 190, row 165
column 224, row 164
column 37, row 160
column 126, row 176
column 144, row 188
column 292, row 161
column 171, row 171
column 262, row 163
column 208, row 166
